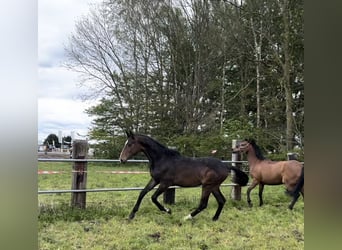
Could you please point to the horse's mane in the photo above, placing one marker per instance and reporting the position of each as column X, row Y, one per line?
column 153, row 144
column 257, row 149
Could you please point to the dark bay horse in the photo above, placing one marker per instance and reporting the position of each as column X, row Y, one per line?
column 168, row 167
column 267, row 172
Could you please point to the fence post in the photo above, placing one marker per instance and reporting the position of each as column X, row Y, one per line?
column 169, row 196
column 292, row 156
column 236, row 156
column 79, row 173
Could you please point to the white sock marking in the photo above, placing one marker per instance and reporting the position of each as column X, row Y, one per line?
column 188, row 217
column 122, row 150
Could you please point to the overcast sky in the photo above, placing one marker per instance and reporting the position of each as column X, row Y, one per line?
column 59, row 105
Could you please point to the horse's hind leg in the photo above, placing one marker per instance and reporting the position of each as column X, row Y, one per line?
column 203, row 203
column 261, row 189
column 294, row 200
column 220, row 200
column 150, row 185
column 161, row 189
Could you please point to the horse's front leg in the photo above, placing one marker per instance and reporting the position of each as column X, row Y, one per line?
column 150, row 185
column 249, row 189
column 261, row 189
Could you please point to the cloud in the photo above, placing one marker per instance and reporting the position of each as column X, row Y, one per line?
column 58, row 82
column 55, row 114
column 56, row 22
column 59, row 104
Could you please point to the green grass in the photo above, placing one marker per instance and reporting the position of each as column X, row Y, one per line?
column 104, row 225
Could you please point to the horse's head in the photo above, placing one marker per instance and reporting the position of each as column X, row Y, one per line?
column 243, row 146
column 131, row 147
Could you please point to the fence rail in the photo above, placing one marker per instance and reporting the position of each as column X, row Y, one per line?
column 111, row 189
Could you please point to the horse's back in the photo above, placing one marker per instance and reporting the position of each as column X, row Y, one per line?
column 268, row 172
column 293, row 169
column 213, row 169
column 211, row 163
column 189, row 171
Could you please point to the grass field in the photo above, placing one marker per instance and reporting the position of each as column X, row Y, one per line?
column 104, row 225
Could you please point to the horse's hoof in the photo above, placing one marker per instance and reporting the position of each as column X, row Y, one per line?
column 188, row 217
column 131, row 216
column 168, row 210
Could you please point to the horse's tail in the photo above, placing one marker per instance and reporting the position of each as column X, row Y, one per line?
column 239, row 176
column 299, row 185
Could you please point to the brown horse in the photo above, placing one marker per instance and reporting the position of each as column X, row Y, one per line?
column 267, row 172
column 168, row 167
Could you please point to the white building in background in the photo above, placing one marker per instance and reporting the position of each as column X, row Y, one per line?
column 41, row 148
column 72, row 135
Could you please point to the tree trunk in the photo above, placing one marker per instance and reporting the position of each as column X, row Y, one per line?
column 286, row 77
column 222, row 95
column 257, row 55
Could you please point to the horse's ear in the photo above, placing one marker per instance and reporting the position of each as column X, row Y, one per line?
column 251, row 141
column 129, row 133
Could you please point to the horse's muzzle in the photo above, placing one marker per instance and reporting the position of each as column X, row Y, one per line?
column 122, row 160
column 235, row 150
